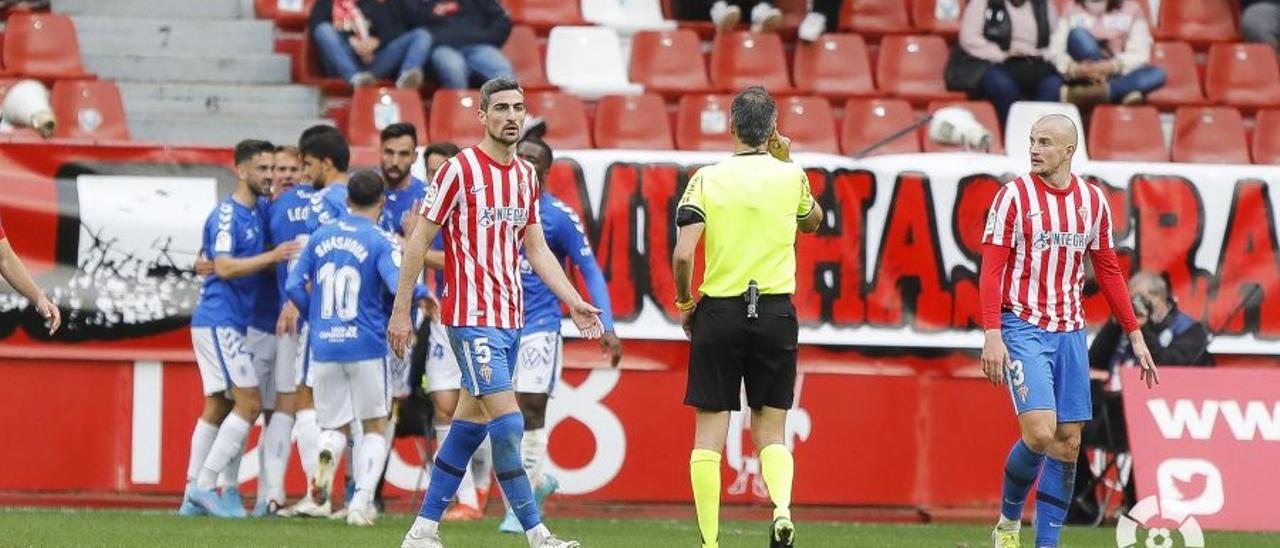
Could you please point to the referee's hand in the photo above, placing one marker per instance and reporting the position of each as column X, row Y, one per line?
column 995, row 357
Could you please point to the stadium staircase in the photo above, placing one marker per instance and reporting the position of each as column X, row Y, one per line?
column 193, row 71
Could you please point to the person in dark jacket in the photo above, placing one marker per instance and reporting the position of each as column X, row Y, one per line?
column 363, row 40
column 468, row 35
column 1001, row 53
column 1260, row 22
column 1174, row 338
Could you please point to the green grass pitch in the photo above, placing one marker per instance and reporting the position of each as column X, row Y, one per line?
column 52, row 527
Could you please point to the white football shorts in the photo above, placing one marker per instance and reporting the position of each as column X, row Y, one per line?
column 223, row 359
column 443, row 372
column 262, row 351
column 350, row 390
column 539, row 361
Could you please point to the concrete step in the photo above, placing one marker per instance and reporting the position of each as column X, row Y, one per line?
column 183, row 9
column 184, row 99
column 120, row 35
column 217, row 130
column 171, row 67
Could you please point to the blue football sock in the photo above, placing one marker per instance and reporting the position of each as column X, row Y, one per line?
column 505, row 433
column 451, row 462
column 1057, row 481
column 1020, row 471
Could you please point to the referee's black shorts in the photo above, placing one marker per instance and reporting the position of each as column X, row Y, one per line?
column 728, row 349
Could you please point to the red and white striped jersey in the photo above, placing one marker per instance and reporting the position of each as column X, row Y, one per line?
column 1050, row 231
column 483, row 208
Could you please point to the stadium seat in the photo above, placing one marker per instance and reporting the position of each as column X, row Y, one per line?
column 374, row 108
column 43, row 46
column 566, row 118
column 741, row 59
column 287, row 14
column 809, row 123
column 1246, row 76
column 935, row 17
column 1266, row 137
column 626, row 16
column 1182, row 87
column 1129, row 134
column 911, row 67
column 1209, row 135
column 1024, row 114
column 526, row 58
column 875, row 17
column 669, row 62
column 454, row 116
column 544, row 14
column 834, row 66
column 867, row 121
column 587, row 61
column 89, row 109
column 1197, row 21
column 702, row 122
column 982, row 110
column 634, row 122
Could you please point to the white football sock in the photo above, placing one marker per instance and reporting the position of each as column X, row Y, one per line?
column 202, row 437
column 308, row 434
column 275, row 447
column 373, row 456
column 227, row 446
column 335, row 443
column 467, row 488
column 533, row 450
column 536, row 535
column 229, row 477
column 482, row 465
column 425, row 527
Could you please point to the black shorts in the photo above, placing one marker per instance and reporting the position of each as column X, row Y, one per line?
column 727, row 349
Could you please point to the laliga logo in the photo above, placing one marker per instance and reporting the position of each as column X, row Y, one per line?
column 1187, row 486
column 747, row 463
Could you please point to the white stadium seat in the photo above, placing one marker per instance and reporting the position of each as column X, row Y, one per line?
column 1024, row 114
column 588, row 61
column 627, row 16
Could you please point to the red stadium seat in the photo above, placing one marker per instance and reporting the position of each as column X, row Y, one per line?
column 911, row 67
column 89, row 109
column 544, row 14
column 927, row 19
column 982, row 110
column 741, row 59
column 1266, row 137
column 867, row 121
column 809, row 123
column 1182, row 87
column 1209, row 135
column 834, row 66
column 566, row 118
column 669, row 62
column 286, row 14
column 703, row 122
column 1198, row 21
column 526, row 58
column 42, row 46
column 1243, row 75
column 1127, row 133
column 633, row 121
column 374, row 108
column 454, row 116
column 875, row 17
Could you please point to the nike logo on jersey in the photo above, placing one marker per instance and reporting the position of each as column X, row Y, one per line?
column 478, row 189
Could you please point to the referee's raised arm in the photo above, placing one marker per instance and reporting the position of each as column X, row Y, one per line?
column 743, row 328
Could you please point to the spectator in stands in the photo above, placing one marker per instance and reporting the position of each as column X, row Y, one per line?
column 1001, row 55
column 765, row 17
column 1260, row 22
column 363, row 40
column 469, row 35
column 1103, row 48
column 1173, row 337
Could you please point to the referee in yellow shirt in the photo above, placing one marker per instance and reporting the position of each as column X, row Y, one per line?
column 744, row 327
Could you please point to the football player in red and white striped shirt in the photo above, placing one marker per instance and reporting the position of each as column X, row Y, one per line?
column 486, row 201
column 1039, row 230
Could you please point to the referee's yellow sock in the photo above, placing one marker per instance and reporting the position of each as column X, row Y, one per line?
column 778, row 469
column 704, row 471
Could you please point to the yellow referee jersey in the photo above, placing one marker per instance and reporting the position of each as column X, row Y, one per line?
column 750, row 203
